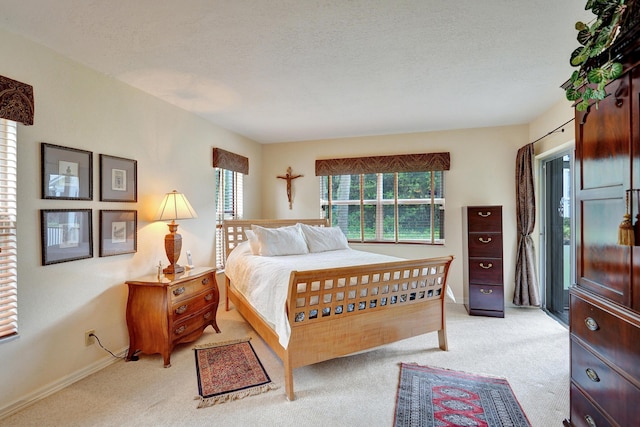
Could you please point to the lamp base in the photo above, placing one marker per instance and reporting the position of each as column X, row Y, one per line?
column 173, row 269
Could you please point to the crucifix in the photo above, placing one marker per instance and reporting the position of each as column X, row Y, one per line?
column 289, row 177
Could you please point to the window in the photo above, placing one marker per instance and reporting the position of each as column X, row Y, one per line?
column 228, row 206
column 8, row 243
column 399, row 207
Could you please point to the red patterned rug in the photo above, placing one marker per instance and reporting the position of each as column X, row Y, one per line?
column 229, row 371
column 441, row 397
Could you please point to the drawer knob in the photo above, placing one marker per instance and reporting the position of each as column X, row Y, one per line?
column 593, row 376
column 484, row 214
column 181, row 309
column 592, row 325
column 208, row 297
column 483, row 240
column 178, row 291
column 590, row 421
column 207, row 315
column 205, row 281
column 486, row 291
column 180, row 330
column 486, row 267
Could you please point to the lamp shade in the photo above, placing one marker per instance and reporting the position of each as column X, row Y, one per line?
column 175, row 206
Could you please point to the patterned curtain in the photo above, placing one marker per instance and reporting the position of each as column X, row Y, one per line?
column 230, row 161
column 16, row 101
column 526, row 292
column 384, row 164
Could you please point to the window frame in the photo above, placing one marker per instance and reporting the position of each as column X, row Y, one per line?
column 231, row 183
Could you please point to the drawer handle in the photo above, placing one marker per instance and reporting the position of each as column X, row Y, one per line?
column 590, row 421
column 593, row 376
column 181, row 309
column 205, row 281
column 486, row 291
column 592, row 325
column 208, row 297
column 483, row 240
column 486, row 267
column 484, row 214
column 178, row 291
column 180, row 330
column 207, row 315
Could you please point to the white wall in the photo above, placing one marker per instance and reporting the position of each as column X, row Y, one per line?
column 482, row 173
column 77, row 107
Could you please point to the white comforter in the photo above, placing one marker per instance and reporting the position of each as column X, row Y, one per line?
column 264, row 281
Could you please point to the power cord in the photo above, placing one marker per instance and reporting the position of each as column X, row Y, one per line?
column 134, row 357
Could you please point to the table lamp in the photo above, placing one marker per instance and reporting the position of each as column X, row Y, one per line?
column 174, row 206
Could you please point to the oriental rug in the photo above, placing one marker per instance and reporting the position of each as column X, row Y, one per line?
column 229, row 371
column 441, row 397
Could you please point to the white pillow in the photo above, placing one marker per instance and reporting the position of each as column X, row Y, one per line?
column 322, row 239
column 253, row 242
column 280, row 241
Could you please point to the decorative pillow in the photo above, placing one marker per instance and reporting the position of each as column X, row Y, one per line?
column 253, row 241
column 322, row 239
column 280, row 241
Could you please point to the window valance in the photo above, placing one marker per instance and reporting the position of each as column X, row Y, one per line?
column 230, row 161
column 16, row 101
column 384, row 164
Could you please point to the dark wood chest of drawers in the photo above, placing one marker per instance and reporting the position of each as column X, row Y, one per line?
column 483, row 270
column 165, row 311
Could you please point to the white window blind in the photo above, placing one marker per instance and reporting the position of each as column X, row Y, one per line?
column 229, row 205
column 8, row 241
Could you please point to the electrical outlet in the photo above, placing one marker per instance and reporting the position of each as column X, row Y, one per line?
column 89, row 339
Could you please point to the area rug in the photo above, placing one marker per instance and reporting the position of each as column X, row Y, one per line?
column 228, row 371
column 441, row 397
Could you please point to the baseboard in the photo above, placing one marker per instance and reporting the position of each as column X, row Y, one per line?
column 51, row 388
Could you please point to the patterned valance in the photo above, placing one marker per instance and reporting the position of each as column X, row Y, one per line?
column 384, row 164
column 230, row 161
column 16, row 101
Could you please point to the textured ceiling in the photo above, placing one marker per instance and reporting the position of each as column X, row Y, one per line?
column 292, row 70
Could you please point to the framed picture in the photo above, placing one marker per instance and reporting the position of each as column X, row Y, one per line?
column 118, row 179
column 66, row 235
column 118, row 232
column 67, row 173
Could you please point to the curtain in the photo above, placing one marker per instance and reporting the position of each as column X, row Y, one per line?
column 384, row 164
column 16, row 101
column 526, row 291
column 230, row 161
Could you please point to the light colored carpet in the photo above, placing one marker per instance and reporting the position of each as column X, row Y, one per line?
column 527, row 347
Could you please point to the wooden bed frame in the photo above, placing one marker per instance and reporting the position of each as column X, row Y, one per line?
column 338, row 311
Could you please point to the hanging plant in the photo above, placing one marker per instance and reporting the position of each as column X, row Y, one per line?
column 587, row 83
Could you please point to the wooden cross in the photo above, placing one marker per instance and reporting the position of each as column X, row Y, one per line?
column 289, row 177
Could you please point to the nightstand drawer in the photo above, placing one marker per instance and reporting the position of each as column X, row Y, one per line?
column 188, row 288
column 485, row 219
column 185, row 308
column 193, row 323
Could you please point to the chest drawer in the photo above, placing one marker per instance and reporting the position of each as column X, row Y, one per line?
column 484, row 219
column 184, row 308
column 188, row 288
column 485, row 245
column 603, row 384
column 583, row 413
column 613, row 337
column 483, row 297
column 193, row 323
column 485, row 270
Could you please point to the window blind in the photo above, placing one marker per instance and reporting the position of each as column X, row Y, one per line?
column 8, row 241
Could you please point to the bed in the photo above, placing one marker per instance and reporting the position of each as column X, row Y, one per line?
column 316, row 313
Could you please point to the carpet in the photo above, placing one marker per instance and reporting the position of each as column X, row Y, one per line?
column 228, row 371
column 441, row 397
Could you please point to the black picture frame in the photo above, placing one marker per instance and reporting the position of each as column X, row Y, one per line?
column 67, row 235
column 118, row 232
column 67, row 173
column 118, row 179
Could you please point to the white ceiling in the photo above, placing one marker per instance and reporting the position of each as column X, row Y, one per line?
column 292, row 70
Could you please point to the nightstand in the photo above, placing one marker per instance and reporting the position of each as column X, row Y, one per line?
column 168, row 310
